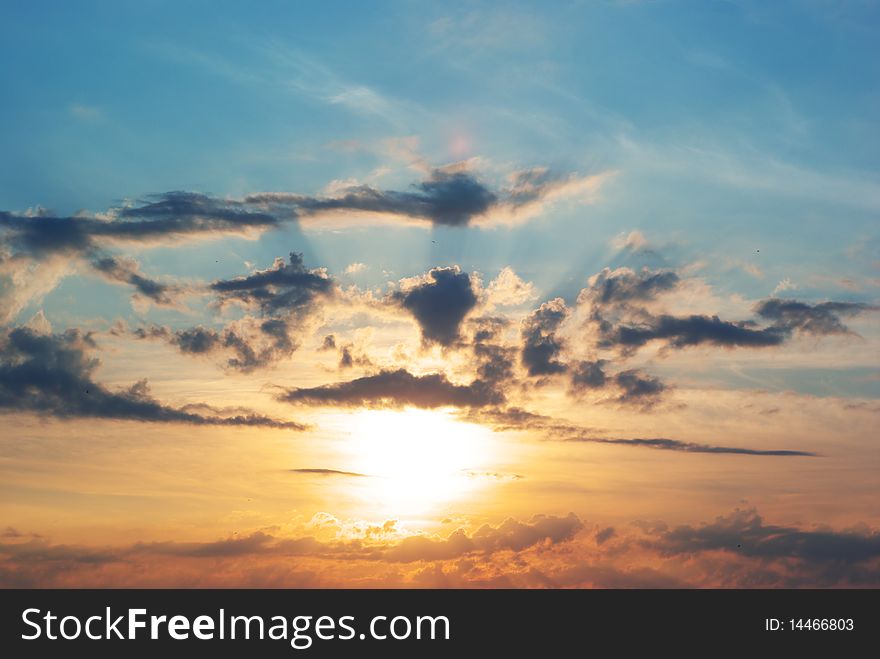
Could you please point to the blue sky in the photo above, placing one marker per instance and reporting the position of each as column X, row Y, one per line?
column 120, row 100
column 729, row 127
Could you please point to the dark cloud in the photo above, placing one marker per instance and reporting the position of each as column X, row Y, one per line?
column 278, row 330
column 439, row 304
column 450, row 198
column 168, row 215
column 820, row 319
column 589, row 375
column 282, row 287
column 396, row 389
column 345, row 358
column 691, row 447
column 624, row 325
column 179, row 213
column 745, row 533
column 327, row 472
column 515, row 418
column 34, row 239
column 227, row 548
column 637, row 387
column 488, row 328
column 52, row 375
column 285, row 295
column 612, row 294
column 605, row 535
column 788, row 316
column 495, row 362
column 44, row 234
column 126, row 271
column 625, row 285
column 248, row 353
column 690, row 331
column 349, row 357
column 197, row 340
column 541, row 346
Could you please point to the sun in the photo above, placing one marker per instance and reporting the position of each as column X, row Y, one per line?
column 415, row 462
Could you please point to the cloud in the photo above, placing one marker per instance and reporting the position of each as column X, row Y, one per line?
column 281, row 287
column 52, row 375
column 127, row 271
column 785, row 285
column 439, row 301
column 605, row 535
column 396, row 389
column 541, row 346
column 349, row 356
column 745, row 533
column 589, row 375
column 37, row 562
column 788, row 316
column 495, row 362
column 183, row 213
column 621, row 323
column 533, row 191
column 735, row 550
column 24, row 280
column 515, row 418
column 638, row 387
column 197, row 340
column 493, row 475
column 819, row 319
column 284, row 295
column 169, row 215
column 38, row 248
column 227, row 548
column 507, row 289
column 634, row 241
column 251, row 344
column 634, row 386
column 693, row 447
column 327, row 472
column 449, row 196
column 511, row 535
column 680, row 332
column 624, row 285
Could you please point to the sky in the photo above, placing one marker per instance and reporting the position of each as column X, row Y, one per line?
column 466, row 294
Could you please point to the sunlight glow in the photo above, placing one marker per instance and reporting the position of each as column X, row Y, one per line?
column 417, row 461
